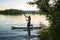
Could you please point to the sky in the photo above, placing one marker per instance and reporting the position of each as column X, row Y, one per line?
column 16, row 4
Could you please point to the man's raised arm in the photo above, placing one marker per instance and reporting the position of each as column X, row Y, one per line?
column 25, row 16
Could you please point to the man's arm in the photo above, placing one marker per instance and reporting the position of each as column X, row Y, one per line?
column 25, row 16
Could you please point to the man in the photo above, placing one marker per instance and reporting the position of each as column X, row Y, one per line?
column 29, row 20
column 28, row 24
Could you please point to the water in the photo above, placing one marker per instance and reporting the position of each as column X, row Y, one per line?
column 6, row 21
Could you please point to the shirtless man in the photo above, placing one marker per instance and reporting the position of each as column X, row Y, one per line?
column 29, row 20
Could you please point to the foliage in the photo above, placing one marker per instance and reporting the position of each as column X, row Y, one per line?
column 45, row 35
column 52, row 11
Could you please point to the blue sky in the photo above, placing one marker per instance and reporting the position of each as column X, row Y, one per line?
column 16, row 4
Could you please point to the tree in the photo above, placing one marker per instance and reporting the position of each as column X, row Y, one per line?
column 52, row 11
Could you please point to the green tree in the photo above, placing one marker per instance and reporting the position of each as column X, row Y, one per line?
column 52, row 11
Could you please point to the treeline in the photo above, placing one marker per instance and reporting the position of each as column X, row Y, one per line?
column 16, row 12
column 11, row 12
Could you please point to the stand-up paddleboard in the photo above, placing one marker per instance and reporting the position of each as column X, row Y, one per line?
column 25, row 27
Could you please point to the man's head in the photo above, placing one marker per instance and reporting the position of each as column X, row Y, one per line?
column 29, row 15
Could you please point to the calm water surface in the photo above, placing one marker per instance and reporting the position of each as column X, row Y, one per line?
column 6, row 21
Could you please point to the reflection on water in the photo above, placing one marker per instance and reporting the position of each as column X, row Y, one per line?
column 6, row 33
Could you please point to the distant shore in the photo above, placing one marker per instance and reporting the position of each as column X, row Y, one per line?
column 16, row 12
